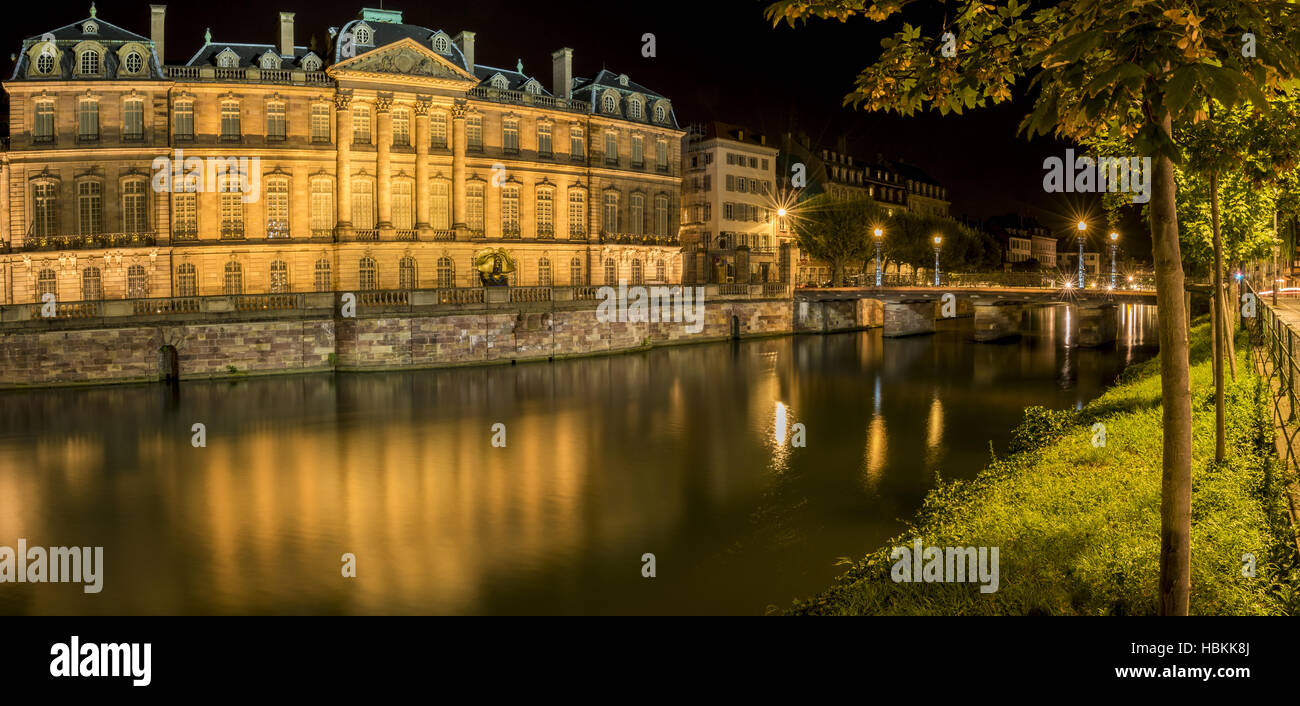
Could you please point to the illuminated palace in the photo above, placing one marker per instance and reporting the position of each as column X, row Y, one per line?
column 388, row 161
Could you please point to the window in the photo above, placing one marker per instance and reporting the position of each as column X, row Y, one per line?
column 440, row 205
column 187, row 281
column 45, row 63
column 368, row 275
column 277, row 207
column 637, row 207
column 275, row 121
column 577, row 143
column 232, row 208
column 135, row 211
column 446, row 273
column 134, row 62
column 401, row 127
column 46, row 283
column 611, row 212
column 406, row 273
column 638, row 150
column 322, row 279
column 88, row 120
column 279, row 277
column 227, row 60
column 43, row 122
column 311, row 63
column 438, row 129
column 474, row 132
column 183, row 119
column 499, row 83
column 545, row 212
column 660, row 114
column 611, row 271
column 575, row 272
column 363, row 204
column 611, row 147
column 270, row 61
column 320, row 122
column 92, row 284
column 363, row 35
column 510, row 135
column 137, row 282
column 474, row 206
column 403, row 205
column 660, row 272
column 661, row 155
column 610, row 103
column 577, row 213
column 322, row 205
column 230, row 129
column 661, row 215
column 360, row 124
column 543, row 272
column 544, row 148
column 638, row 274
column 234, row 279
column 45, row 209
column 185, row 211
column 510, row 210
column 441, row 45
column 90, row 208
column 634, row 109
column 89, row 62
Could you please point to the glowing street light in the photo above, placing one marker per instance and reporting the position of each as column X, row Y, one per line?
column 938, row 243
column 880, row 234
column 1114, row 247
column 1083, row 231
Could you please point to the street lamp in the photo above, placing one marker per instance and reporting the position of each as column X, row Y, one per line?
column 1114, row 247
column 879, row 236
column 938, row 242
column 1083, row 230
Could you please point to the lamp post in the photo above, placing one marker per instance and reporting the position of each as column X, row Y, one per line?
column 1114, row 247
column 938, row 242
column 1083, row 230
column 879, row 236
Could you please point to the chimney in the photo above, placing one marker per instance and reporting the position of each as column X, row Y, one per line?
column 286, row 34
column 157, row 13
column 562, row 73
column 465, row 40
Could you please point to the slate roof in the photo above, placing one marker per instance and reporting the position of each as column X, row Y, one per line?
column 70, row 35
column 516, row 80
column 389, row 32
column 248, row 54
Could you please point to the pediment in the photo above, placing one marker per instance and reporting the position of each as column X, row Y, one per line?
column 405, row 57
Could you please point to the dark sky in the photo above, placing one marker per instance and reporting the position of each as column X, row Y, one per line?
column 716, row 59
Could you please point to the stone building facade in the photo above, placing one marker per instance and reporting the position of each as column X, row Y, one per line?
column 389, row 161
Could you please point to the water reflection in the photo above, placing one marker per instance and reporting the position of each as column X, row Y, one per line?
column 685, row 452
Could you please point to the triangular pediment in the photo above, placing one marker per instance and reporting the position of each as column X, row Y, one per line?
column 405, row 57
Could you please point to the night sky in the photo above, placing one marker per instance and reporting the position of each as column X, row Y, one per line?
column 716, row 59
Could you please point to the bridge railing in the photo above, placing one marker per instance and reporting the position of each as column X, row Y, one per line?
column 994, row 280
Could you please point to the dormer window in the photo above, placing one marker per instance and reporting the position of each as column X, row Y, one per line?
column 134, row 62
column 270, row 61
column 45, row 63
column 364, row 35
column 89, row 62
column 441, row 44
column 634, row 109
column 227, row 59
column 661, row 115
column 622, row 80
column 90, row 28
column 311, row 63
column 499, row 82
column 534, row 88
column 610, row 104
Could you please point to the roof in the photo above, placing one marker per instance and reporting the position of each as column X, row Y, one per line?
column 515, row 80
column 68, row 36
column 717, row 129
column 390, row 32
column 248, row 54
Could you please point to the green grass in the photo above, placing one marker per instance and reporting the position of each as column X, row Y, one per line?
column 1078, row 527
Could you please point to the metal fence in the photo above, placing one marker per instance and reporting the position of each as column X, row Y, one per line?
column 1272, row 351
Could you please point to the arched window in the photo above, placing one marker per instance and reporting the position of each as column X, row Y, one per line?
column 610, row 103
column 661, row 115
column 577, row 213
column 440, row 204
column 446, row 273
column 634, row 109
column 134, row 62
column 279, row 277
column 137, row 282
column 45, row 63
column 46, row 283
column 406, row 273
column 323, row 282
column 611, row 271
column 403, row 205
column 368, row 275
column 89, row 62
column 187, row 281
column 543, row 272
column 575, row 272
column 322, row 206
column 234, row 280
column 638, row 274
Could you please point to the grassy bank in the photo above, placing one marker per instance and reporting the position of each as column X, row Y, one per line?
column 1078, row 526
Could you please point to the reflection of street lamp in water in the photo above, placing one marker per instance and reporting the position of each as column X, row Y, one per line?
column 938, row 243
column 879, row 235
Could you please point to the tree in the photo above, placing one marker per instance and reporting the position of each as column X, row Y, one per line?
column 837, row 231
column 1127, row 68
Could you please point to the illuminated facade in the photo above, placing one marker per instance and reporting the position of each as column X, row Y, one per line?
column 387, row 162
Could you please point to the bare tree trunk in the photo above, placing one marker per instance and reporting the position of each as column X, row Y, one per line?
column 1220, row 324
column 1229, row 330
column 1175, row 390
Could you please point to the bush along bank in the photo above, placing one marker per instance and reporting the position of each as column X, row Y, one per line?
column 1074, row 511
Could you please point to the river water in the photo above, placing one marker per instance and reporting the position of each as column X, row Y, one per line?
column 685, row 453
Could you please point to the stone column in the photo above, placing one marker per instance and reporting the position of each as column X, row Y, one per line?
column 422, row 165
column 459, row 144
column 343, row 166
column 384, row 163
